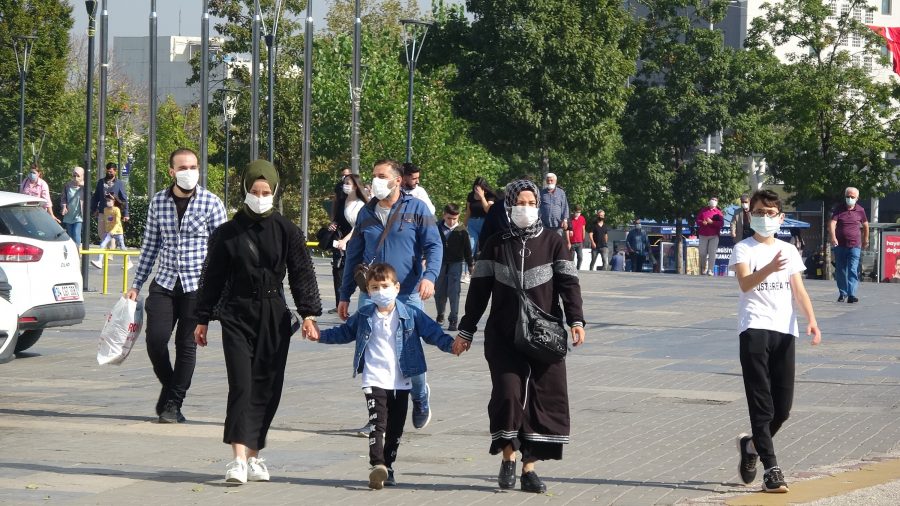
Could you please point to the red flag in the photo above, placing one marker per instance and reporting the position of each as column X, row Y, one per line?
column 891, row 36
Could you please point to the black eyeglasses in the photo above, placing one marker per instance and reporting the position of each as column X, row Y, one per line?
column 759, row 213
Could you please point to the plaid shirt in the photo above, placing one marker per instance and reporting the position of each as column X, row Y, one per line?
column 181, row 250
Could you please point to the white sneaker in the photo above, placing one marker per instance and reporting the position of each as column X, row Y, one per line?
column 236, row 472
column 130, row 265
column 97, row 264
column 257, row 470
column 466, row 277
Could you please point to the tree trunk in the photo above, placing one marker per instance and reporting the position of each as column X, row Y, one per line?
column 679, row 248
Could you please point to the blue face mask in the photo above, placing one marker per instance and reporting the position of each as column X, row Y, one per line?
column 384, row 297
column 32, row 176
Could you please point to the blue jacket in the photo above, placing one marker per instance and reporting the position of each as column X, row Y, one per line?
column 413, row 236
column 414, row 323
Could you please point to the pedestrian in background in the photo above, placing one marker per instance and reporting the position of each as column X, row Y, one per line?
column 849, row 229
column 599, row 236
column 554, row 206
column 111, row 229
column 709, row 220
column 247, row 260
column 457, row 256
column 344, row 212
column 478, row 204
column 576, row 236
column 411, row 174
column 110, row 185
column 179, row 222
column 740, row 222
column 769, row 275
column 638, row 245
column 617, row 262
column 72, row 205
column 35, row 186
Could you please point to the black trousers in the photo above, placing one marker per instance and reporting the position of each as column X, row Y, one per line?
column 168, row 310
column 387, row 413
column 637, row 262
column 767, row 362
column 337, row 273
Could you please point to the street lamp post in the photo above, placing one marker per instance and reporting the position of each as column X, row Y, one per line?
column 228, row 111
column 307, row 116
column 104, row 91
column 91, row 7
column 27, row 44
column 121, row 115
column 151, row 134
column 204, row 93
column 254, row 82
column 412, row 30
column 355, row 89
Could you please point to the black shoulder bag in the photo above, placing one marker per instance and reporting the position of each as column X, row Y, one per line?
column 539, row 336
column 362, row 269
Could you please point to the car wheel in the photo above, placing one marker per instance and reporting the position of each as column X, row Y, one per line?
column 27, row 339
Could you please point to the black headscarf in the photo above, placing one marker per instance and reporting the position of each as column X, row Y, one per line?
column 512, row 194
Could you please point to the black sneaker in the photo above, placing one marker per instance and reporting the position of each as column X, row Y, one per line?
column 390, row 481
column 773, row 481
column 452, row 326
column 747, row 466
column 531, row 482
column 507, row 476
column 161, row 401
column 840, row 298
column 171, row 413
column 421, row 413
column 440, row 319
column 852, row 300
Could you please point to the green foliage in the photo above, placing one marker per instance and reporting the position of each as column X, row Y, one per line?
column 138, row 205
column 50, row 20
column 821, row 121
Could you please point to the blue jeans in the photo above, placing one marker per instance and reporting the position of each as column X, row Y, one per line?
column 448, row 287
column 74, row 231
column 418, row 392
column 474, row 226
column 846, row 269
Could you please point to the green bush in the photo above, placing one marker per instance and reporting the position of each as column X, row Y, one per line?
column 137, row 220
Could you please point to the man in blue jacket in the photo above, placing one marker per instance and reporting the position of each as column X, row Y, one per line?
column 412, row 235
column 110, row 185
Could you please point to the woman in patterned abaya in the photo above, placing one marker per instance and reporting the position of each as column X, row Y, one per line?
column 529, row 406
column 243, row 278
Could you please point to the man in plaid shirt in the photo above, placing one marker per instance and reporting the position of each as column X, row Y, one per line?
column 179, row 222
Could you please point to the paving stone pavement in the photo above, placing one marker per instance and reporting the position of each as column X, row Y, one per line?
column 656, row 398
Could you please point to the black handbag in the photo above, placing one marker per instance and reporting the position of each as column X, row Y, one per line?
column 538, row 335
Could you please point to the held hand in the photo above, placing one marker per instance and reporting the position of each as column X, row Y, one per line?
column 332, row 227
column 460, row 345
column 125, row 218
column 343, row 310
column 310, row 330
column 813, row 329
column 131, row 294
column 777, row 264
column 426, row 289
column 577, row 336
column 200, row 335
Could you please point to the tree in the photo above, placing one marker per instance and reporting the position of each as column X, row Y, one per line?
column 50, row 21
column 681, row 94
column 820, row 119
column 541, row 82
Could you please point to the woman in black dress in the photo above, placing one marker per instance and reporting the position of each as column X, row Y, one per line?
column 529, row 406
column 242, row 282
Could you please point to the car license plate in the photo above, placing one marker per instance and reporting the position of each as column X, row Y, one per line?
column 66, row 292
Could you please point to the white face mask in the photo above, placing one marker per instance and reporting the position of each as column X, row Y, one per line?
column 384, row 297
column 523, row 216
column 550, row 186
column 381, row 188
column 745, row 205
column 348, row 189
column 765, row 226
column 187, row 179
column 713, row 203
column 850, row 201
column 259, row 205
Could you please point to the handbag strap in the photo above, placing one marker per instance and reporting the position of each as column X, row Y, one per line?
column 510, row 259
column 387, row 228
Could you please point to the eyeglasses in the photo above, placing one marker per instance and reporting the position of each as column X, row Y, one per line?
column 759, row 213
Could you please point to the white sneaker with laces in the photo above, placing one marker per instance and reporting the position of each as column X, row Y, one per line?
column 97, row 264
column 236, row 472
column 257, row 470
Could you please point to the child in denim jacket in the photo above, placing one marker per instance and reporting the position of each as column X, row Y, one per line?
column 388, row 353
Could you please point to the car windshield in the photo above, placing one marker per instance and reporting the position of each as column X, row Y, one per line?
column 30, row 221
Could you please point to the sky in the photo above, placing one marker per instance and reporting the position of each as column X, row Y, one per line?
column 131, row 18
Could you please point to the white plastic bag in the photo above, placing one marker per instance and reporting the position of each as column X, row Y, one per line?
column 122, row 327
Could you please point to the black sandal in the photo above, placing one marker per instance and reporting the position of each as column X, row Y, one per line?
column 531, row 482
column 507, row 476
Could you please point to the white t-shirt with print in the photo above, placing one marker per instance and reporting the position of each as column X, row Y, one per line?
column 770, row 305
column 382, row 365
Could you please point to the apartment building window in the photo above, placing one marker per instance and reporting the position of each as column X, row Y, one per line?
column 870, row 17
column 857, row 14
column 856, row 40
column 845, row 10
column 867, row 63
column 855, row 60
column 886, row 7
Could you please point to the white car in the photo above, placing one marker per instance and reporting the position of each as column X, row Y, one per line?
column 43, row 268
column 8, row 321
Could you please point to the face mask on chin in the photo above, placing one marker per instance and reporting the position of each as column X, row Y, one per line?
column 381, row 188
column 765, row 226
column 523, row 216
column 187, row 179
column 259, row 205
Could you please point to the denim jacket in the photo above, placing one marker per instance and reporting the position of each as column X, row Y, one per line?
column 414, row 323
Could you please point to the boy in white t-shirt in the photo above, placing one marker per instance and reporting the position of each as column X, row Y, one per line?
column 768, row 272
column 388, row 353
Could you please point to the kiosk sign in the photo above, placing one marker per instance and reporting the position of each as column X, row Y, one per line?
column 890, row 266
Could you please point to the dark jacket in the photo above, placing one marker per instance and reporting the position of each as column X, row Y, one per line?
column 98, row 201
column 457, row 246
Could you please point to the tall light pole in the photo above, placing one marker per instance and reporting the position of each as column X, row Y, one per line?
column 151, row 140
column 412, row 30
column 254, row 82
column 228, row 111
column 26, row 44
column 121, row 115
column 355, row 89
column 91, row 7
column 104, row 91
column 307, row 116
column 204, row 93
